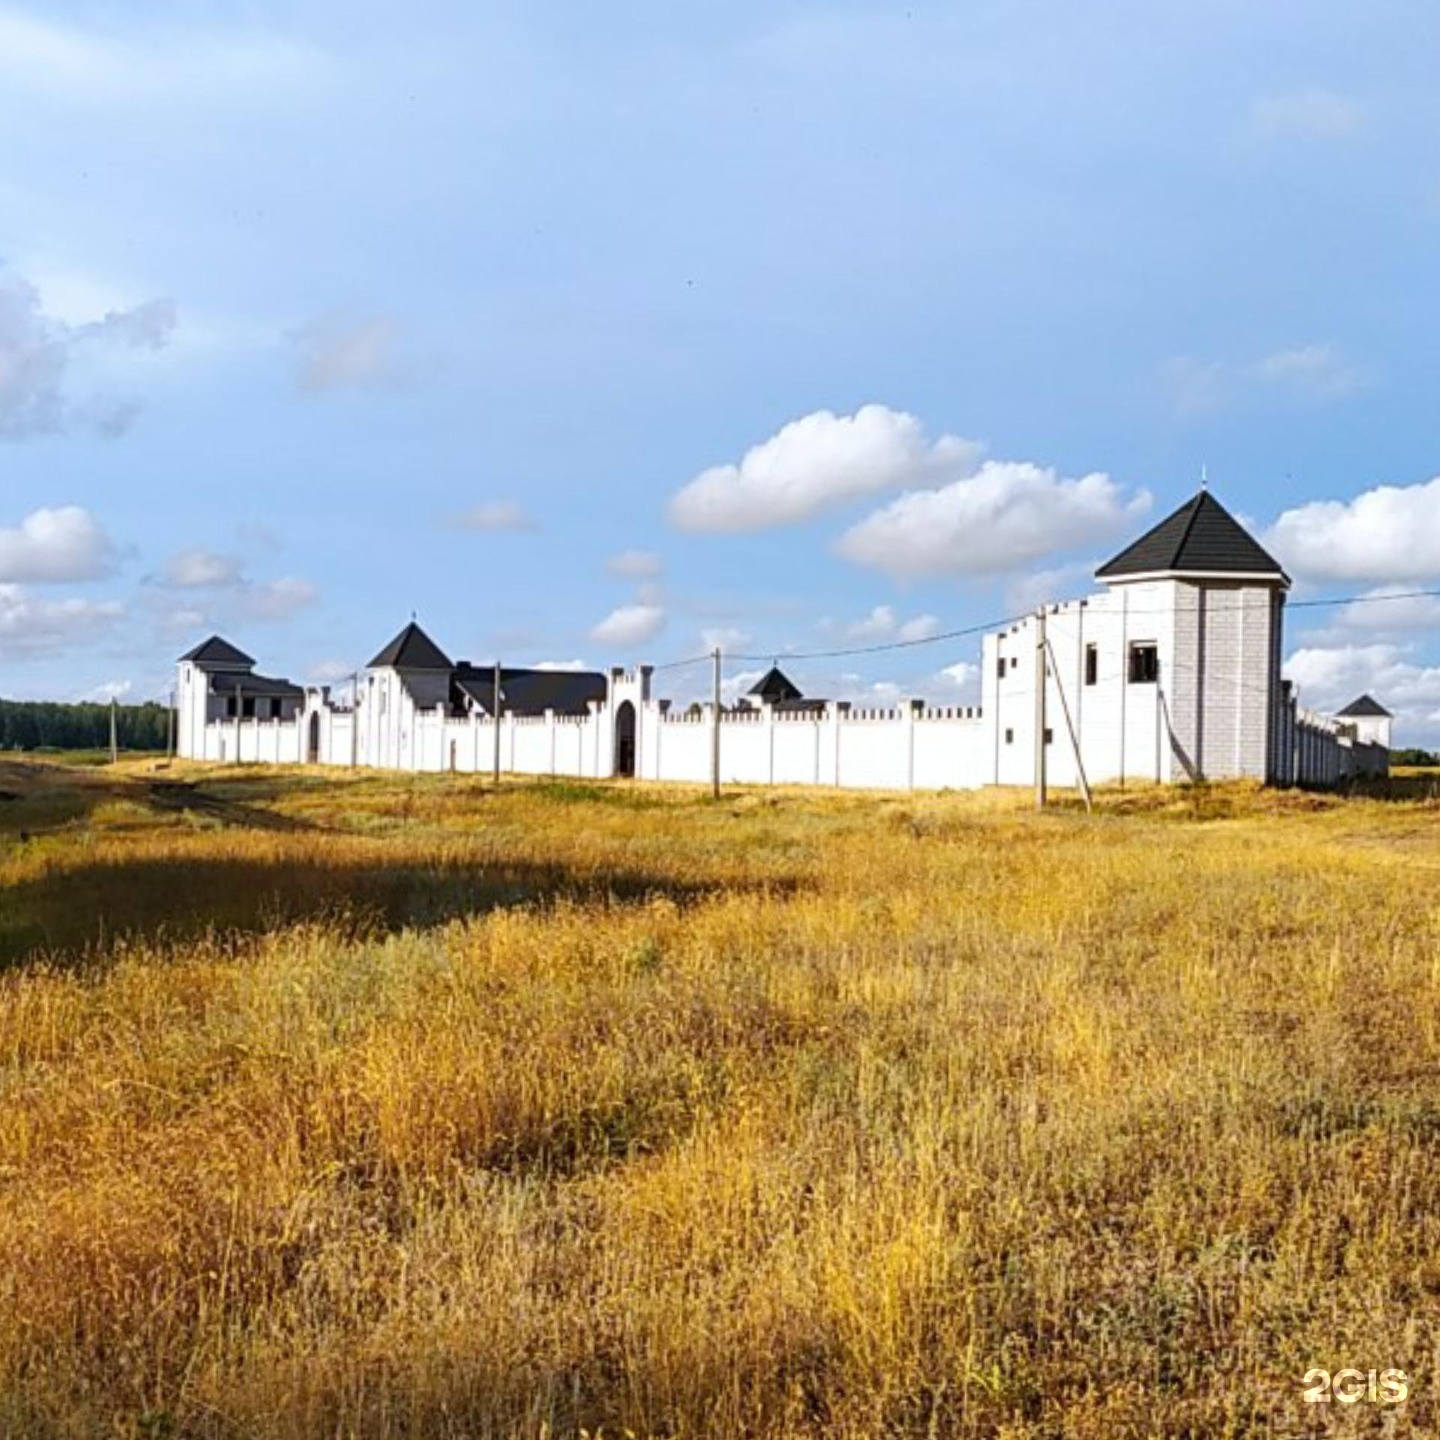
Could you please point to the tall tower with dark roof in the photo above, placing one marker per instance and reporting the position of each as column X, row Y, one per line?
column 1210, row 600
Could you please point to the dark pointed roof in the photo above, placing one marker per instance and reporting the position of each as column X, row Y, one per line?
column 1201, row 538
column 776, row 687
column 531, row 692
column 218, row 652
column 1366, row 706
column 412, row 649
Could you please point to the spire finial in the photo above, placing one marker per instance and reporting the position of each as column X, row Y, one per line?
column 1204, row 476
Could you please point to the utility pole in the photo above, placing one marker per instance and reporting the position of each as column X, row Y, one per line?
column 355, row 720
column 1070, row 727
column 495, row 709
column 114, row 742
column 715, row 728
column 1040, row 658
column 239, row 712
column 170, row 730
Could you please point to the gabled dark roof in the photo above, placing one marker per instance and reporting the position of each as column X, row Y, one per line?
column 412, row 649
column 776, row 687
column 531, row 692
column 1365, row 706
column 218, row 652
column 1201, row 538
column 254, row 685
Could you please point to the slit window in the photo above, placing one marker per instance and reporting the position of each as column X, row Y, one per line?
column 1092, row 664
column 1144, row 663
column 1009, row 737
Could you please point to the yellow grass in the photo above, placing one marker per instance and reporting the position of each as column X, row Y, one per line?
column 391, row 1107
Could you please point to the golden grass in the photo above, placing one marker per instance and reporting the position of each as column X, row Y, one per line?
column 393, row 1107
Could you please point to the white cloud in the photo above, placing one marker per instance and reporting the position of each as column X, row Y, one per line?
column 90, row 67
column 329, row 672
column 55, row 546
column 493, row 517
column 630, row 625
column 560, row 665
column 724, row 637
column 1007, row 515
column 635, row 565
column 37, row 351
column 199, row 569
column 1041, row 586
column 1391, row 610
column 340, row 351
column 1311, row 114
column 280, row 599
column 31, row 628
column 815, row 463
column 1388, row 535
column 1329, row 677
column 1312, row 374
column 883, row 623
column 963, row 679
column 107, row 691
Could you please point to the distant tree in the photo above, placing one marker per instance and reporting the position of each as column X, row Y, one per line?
column 52, row 725
column 1414, row 756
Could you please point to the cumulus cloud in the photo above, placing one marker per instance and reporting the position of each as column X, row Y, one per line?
column 493, row 517
column 37, row 352
column 1308, row 114
column 1007, row 515
column 817, row 462
column 280, row 599
column 199, row 569
column 630, row 625
column 1388, row 535
column 107, row 691
column 31, row 628
column 339, row 351
column 561, row 665
column 1391, row 610
column 883, row 623
column 962, row 679
column 1042, row 586
column 55, row 546
column 1314, row 374
column 724, row 637
column 635, row 565
column 1329, row 677
column 328, row 672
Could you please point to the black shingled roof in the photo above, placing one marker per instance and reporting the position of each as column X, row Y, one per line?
column 412, row 649
column 216, row 651
column 1201, row 538
column 1366, row 705
column 776, row 686
column 532, row 692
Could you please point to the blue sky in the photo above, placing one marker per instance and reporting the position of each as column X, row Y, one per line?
column 602, row 333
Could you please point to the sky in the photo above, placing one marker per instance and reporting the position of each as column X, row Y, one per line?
column 597, row 334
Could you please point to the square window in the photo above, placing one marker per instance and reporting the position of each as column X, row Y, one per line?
column 1144, row 663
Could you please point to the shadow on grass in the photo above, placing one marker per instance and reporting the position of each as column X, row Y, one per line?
column 80, row 914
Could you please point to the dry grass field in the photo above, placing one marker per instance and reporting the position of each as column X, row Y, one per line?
column 339, row 1106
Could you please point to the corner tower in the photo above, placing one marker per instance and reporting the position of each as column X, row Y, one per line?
column 1210, row 599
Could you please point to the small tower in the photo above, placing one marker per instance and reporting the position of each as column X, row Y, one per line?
column 775, row 687
column 1369, row 720
column 1202, row 612
column 206, row 678
column 410, row 673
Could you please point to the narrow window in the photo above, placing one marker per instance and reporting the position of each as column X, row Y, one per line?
column 1000, row 667
column 1009, row 737
column 1144, row 663
column 1092, row 664
column 249, row 707
column 1049, row 736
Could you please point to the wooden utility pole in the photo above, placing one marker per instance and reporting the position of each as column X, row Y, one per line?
column 355, row 720
column 1040, row 663
column 495, row 709
column 114, row 741
column 715, row 728
column 170, row 730
column 239, row 712
column 1070, row 727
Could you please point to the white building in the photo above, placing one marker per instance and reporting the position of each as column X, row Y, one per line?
column 1170, row 673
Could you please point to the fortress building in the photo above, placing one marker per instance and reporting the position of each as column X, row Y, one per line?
column 1170, row 673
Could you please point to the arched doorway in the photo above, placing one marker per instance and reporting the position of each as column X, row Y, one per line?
column 313, row 753
column 625, row 739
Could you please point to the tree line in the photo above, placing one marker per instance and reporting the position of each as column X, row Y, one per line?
column 52, row 725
